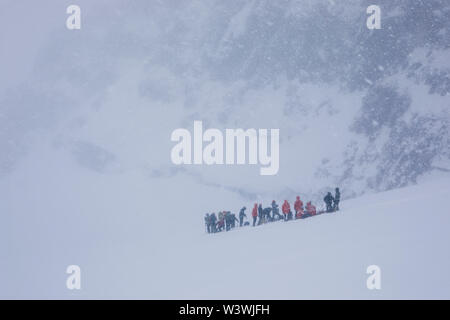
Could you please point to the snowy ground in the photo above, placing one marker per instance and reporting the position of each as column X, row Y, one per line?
column 405, row 232
column 126, row 252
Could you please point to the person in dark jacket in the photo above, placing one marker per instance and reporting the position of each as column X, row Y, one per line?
column 242, row 215
column 208, row 223
column 275, row 211
column 260, row 214
column 266, row 214
column 233, row 220
column 329, row 202
column 229, row 220
column 226, row 220
column 213, row 221
column 337, row 199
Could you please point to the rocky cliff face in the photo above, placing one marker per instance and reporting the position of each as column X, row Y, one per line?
column 365, row 109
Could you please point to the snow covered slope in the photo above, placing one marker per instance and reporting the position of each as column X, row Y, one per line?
column 127, row 251
column 405, row 232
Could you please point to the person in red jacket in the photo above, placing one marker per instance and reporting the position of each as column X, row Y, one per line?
column 255, row 213
column 286, row 209
column 298, row 207
column 310, row 209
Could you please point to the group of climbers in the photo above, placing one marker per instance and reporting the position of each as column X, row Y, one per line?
column 261, row 215
column 301, row 212
column 309, row 211
column 227, row 220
